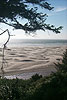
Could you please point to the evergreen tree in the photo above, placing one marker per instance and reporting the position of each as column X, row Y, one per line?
column 24, row 14
column 62, row 66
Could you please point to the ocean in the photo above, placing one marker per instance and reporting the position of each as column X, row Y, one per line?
column 35, row 42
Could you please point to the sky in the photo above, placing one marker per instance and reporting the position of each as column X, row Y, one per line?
column 57, row 17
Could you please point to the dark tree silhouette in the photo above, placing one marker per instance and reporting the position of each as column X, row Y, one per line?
column 13, row 12
column 62, row 67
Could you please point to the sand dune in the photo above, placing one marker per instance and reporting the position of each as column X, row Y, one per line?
column 30, row 60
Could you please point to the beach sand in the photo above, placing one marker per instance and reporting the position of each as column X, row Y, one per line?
column 24, row 62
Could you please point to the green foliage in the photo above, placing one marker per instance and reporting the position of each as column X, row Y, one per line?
column 53, row 87
column 36, row 77
column 62, row 66
column 24, row 14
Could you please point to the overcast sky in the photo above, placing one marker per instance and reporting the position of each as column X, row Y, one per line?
column 57, row 17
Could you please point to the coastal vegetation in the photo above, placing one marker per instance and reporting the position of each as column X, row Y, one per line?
column 53, row 87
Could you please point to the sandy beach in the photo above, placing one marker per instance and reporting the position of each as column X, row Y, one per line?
column 23, row 62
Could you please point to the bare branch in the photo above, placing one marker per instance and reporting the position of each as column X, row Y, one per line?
column 4, row 46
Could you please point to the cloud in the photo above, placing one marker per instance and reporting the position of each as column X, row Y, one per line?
column 59, row 9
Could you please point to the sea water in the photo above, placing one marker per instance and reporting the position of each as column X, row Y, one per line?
column 36, row 42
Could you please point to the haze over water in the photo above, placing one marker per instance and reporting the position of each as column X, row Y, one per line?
column 35, row 42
